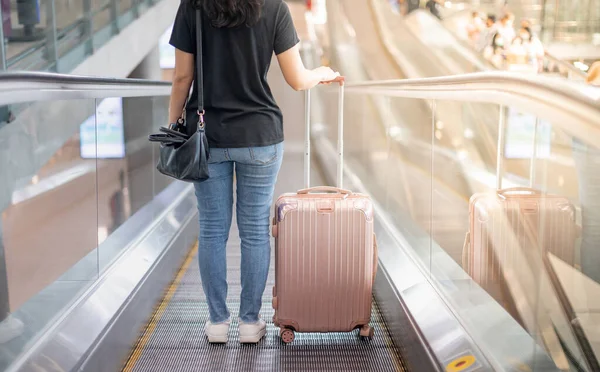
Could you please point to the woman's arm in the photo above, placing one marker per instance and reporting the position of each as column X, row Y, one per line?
column 182, row 81
column 299, row 77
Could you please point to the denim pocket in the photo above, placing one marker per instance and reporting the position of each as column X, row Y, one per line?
column 263, row 154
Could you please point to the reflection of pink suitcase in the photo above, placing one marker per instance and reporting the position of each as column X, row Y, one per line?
column 510, row 224
column 533, row 220
column 325, row 257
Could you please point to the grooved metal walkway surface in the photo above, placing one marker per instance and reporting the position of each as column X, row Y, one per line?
column 174, row 338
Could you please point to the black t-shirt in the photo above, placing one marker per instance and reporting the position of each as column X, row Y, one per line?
column 240, row 108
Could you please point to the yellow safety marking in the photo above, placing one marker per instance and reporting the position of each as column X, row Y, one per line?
column 139, row 348
column 460, row 364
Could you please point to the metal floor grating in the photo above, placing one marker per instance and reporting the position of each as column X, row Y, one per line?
column 174, row 338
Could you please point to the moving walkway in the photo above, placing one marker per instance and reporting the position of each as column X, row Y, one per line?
column 124, row 293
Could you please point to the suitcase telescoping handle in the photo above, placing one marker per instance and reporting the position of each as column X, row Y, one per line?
column 517, row 191
column 501, row 144
column 340, row 140
column 325, row 189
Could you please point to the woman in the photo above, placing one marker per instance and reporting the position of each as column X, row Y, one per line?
column 506, row 28
column 245, row 132
column 496, row 52
column 517, row 52
column 474, row 28
column 534, row 47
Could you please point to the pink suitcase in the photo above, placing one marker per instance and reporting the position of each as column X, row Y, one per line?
column 325, row 256
column 508, row 225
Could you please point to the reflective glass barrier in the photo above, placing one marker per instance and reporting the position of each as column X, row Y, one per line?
column 533, row 247
column 56, row 35
column 68, row 186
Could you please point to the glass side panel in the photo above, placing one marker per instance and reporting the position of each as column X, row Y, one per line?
column 571, row 170
column 526, row 254
column 160, row 117
column 26, row 26
column 127, row 175
column 408, row 124
column 101, row 13
column 529, row 237
column 66, row 12
column 464, row 176
column 68, row 189
column 56, row 35
column 125, row 5
column 387, row 144
column 49, row 217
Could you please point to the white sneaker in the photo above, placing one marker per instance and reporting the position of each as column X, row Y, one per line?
column 251, row 333
column 10, row 328
column 217, row 333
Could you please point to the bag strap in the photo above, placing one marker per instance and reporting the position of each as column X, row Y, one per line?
column 199, row 71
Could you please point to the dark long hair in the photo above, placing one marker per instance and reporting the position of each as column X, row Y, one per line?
column 231, row 13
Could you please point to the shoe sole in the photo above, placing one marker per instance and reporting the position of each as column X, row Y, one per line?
column 253, row 339
column 217, row 339
column 10, row 334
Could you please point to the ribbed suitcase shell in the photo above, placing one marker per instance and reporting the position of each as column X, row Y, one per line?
column 537, row 221
column 325, row 261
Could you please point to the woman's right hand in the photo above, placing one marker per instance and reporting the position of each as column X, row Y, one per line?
column 328, row 76
column 301, row 78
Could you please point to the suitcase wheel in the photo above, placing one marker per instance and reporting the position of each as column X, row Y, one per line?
column 367, row 332
column 287, row 335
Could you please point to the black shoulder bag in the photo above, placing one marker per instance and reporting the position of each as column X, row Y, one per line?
column 183, row 156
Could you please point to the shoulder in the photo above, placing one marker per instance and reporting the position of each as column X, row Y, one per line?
column 273, row 3
column 187, row 4
column 272, row 7
column 187, row 7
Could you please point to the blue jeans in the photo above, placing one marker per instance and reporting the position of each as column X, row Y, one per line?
column 256, row 170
